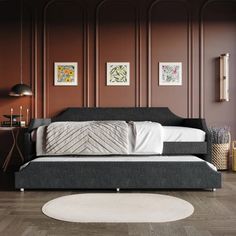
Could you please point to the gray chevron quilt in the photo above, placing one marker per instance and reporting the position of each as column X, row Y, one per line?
column 87, row 138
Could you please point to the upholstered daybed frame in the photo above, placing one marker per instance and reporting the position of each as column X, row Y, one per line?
column 127, row 174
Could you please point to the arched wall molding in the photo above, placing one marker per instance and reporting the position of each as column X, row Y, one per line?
column 202, row 53
column 137, row 53
column 33, row 61
column 33, row 102
column 190, row 66
column 45, row 56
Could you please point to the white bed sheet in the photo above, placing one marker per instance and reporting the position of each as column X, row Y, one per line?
column 183, row 134
column 184, row 158
column 170, row 134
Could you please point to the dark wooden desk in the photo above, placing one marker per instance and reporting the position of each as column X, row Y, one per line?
column 15, row 133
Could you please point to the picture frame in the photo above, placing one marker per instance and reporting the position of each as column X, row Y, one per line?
column 118, row 74
column 65, row 73
column 170, row 73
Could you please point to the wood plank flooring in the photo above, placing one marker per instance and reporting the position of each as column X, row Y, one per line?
column 215, row 214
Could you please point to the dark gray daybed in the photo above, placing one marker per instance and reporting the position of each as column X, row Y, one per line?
column 122, row 174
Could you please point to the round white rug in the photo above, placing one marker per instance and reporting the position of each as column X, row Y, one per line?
column 118, row 208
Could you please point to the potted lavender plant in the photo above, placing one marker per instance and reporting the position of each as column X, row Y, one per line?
column 220, row 146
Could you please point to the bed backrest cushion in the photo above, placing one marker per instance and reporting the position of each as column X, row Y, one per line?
column 160, row 115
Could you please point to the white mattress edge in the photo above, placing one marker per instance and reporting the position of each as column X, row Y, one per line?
column 185, row 158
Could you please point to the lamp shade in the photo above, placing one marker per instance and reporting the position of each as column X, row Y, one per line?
column 20, row 90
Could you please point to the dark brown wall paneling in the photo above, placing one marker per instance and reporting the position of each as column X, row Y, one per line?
column 219, row 35
column 170, row 41
column 34, row 62
column 64, row 41
column 10, row 55
column 141, row 32
column 116, row 41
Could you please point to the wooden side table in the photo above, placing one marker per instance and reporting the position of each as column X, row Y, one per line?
column 15, row 133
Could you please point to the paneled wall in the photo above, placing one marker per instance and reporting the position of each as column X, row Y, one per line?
column 173, row 31
column 218, row 35
column 116, row 41
column 143, row 33
column 64, row 41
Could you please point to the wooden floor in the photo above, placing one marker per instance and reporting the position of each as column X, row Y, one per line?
column 215, row 214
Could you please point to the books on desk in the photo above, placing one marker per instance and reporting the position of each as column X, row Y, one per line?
column 8, row 124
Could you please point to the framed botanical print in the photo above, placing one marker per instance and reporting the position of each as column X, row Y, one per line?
column 170, row 73
column 118, row 74
column 65, row 74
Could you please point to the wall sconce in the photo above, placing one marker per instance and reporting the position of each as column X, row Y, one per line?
column 224, row 77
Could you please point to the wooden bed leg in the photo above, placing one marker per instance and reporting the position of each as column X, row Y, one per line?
column 117, row 190
column 22, row 189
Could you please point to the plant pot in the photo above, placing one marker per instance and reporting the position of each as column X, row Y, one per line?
column 220, row 155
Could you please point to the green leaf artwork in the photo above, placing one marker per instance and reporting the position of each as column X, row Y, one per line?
column 117, row 73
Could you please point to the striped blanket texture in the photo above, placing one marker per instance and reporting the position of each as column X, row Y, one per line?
column 90, row 138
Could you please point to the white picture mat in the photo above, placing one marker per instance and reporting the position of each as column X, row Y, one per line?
column 109, row 64
column 164, row 83
column 57, row 64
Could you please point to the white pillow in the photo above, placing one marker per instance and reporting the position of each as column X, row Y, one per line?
column 148, row 137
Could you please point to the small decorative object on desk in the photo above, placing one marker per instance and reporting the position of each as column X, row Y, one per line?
column 20, row 113
column 234, row 156
column 22, row 123
column 11, row 119
column 11, row 122
column 27, row 116
column 220, row 147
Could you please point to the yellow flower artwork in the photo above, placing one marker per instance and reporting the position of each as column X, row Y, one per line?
column 65, row 73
